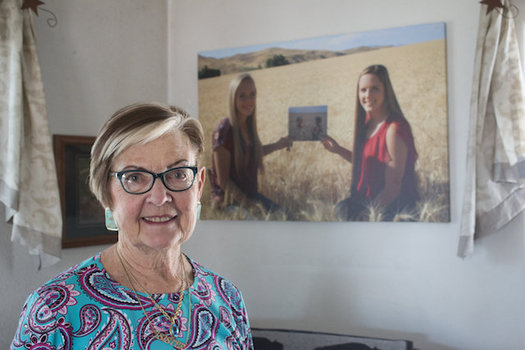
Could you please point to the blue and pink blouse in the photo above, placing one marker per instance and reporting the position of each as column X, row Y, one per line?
column 84, row 308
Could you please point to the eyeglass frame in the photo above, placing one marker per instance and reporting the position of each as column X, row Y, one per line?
column 119, row 174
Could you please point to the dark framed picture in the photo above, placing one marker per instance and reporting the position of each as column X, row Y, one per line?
column 82, row 214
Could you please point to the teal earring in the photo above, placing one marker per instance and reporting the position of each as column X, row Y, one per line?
column 199, row 207
column 111, row 225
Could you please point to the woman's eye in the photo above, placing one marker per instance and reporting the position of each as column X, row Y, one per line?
column 177, row 175
column 134, row 177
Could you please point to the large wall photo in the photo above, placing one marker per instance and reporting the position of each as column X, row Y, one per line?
column 301, row 178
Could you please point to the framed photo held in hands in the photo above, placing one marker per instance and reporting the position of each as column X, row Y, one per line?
column 307, row 123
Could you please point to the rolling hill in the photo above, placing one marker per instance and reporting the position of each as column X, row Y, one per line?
column 257, row 59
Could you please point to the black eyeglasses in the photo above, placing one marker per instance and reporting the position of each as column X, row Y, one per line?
column 141, row 181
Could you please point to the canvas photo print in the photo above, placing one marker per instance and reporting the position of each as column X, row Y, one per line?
column 311, row 129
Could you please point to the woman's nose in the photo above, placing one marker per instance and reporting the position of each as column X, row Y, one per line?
column 159, row 194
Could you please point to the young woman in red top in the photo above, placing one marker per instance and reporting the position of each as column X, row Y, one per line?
column 384, row 154
column 238, row 151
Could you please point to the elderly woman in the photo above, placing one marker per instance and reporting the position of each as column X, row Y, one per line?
column 142, row 292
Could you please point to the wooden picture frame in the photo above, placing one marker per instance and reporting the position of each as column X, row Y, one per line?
column 82, row 214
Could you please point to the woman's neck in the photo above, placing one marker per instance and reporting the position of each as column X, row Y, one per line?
column 374, row 123
column 379, row 116
column 244, row 131
column 242, row 120
column 151, row 271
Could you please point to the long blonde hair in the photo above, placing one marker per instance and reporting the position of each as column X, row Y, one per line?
column 239, row 148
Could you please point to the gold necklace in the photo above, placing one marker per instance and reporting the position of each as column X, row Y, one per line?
column 168, row 339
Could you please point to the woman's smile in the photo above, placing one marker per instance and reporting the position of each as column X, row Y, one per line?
column 158, row 219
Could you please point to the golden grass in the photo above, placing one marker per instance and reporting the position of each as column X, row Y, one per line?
column 308, row 181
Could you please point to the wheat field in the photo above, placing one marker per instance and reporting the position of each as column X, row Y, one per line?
column 308, row 181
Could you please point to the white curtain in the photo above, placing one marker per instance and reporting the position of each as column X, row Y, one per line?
column 495, row 184
column 28, row 183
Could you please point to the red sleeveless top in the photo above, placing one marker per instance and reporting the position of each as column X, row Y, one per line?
column 373, row 164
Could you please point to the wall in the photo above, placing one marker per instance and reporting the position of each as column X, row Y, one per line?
column 391, row 280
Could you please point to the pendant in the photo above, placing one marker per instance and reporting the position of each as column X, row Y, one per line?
column 170, row 340
column 174, row 329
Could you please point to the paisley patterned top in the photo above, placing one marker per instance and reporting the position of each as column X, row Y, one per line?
column 84, row 308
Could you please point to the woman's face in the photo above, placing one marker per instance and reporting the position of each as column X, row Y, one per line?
column 371, row 94
column 245, row 98
column 158, row 218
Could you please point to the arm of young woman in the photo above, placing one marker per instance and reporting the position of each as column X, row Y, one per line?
column 331, row 145
column 395, row 167
column 283, row 142
column 222, row 160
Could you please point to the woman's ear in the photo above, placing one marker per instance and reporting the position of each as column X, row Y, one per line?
column 201, row 177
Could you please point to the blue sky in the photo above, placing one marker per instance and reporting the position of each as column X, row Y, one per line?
column 392, row 36
column 309, row 109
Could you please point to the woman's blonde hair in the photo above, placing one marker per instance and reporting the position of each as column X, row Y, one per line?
column 239, row 147
column 138, row 123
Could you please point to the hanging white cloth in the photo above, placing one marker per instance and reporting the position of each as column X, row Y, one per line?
column 28, row 182
column 495, row 184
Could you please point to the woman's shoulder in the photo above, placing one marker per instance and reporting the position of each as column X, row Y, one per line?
column 400, row 126
column 204, row 275
column 222, row 133
column 64, row 282
column 211, row 288
column 201, row 271
column 401, row 129
column 223, row 124
column 59, row 300
column 71, row 274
